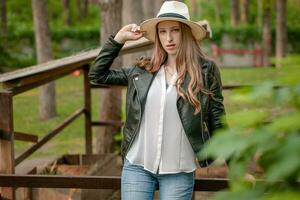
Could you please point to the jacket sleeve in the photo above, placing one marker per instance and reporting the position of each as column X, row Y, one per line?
column 100, row 72
column 217, row 110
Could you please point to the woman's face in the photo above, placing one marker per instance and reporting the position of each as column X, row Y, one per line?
column 169, row 33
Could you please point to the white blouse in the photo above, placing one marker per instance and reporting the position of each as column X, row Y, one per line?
column 161, row 145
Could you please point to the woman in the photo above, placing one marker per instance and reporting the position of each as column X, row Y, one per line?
column 173, row 104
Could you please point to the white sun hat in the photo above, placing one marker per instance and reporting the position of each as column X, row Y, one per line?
column 175, row 11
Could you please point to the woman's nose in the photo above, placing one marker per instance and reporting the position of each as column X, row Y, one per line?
column 169, row 37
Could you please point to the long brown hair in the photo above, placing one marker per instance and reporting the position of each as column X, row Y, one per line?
column 187, row 62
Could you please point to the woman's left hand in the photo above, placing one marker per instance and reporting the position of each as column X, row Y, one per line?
column 128, row 32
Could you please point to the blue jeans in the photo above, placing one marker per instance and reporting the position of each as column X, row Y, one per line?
column 140, row 184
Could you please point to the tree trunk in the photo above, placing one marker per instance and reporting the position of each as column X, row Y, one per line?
column 47, row 102
column 111, row 98
column 281, row 32
column 79, row 9
column 195, row 8
column 132, row 12
column 245, row 11
column 218, row 11
column 267, row 34
column 3, row 33
column 82, row 9
column 234, row 12
column 259, row 17
column 157, row 5
column 85, row 8
column 148, row 9
column 66, row 4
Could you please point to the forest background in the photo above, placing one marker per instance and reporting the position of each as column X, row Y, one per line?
column 75, row 28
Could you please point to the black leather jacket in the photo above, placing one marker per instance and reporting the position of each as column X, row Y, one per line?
column 198, row 128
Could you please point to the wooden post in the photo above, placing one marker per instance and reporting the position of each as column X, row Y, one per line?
column 7, row 144
column 214, row 51
column 87, row 112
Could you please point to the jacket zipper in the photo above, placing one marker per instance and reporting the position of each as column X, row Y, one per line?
column 203, row 137
column 135, row 131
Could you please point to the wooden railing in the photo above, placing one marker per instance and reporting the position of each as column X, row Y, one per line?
column 17, row 82
column 256, row 53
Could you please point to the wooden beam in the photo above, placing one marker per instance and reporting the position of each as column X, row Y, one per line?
column 7, row 146
column 87, row 111
column 82, row 159
column 53, row 181
column 26, row 137
column 100, row 86
column 50, row 135
column 37, row 73
column 20, row 85
column 92, row 182
column 211, row 184
column 108, row 123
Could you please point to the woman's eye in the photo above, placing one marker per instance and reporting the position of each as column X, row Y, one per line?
column 162, row 31
column 176, row 30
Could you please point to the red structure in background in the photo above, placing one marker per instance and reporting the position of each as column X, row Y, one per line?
column 257, row 53
column 76, row 73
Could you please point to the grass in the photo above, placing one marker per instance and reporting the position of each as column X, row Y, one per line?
column 70, row 99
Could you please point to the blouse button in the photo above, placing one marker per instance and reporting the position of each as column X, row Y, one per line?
column 136, row 78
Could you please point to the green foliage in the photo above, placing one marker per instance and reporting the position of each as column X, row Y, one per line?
column 19, row 52
column 243, row 33
column 269, row 137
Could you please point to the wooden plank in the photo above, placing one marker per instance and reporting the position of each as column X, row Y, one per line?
column 87, row 112
column 92, row 182
column 210, row 184
column 23, row 84
column 26, row 137
column 100, row 86
column 74, row 60
column 50, row 135
column 39, row 163
column 51, row 181
column 7, row 146
column 78, row 60
column 82, row 159
column 108, row 123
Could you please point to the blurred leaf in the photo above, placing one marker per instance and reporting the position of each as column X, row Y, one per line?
column 290, row 122
column 118, row 136
column 250, row 118
column 286, row 160
column 250, row 194
column 283, row 195
column 263, row 91
column 237, row 172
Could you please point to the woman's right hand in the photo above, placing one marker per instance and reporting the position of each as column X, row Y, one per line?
column 128, row 32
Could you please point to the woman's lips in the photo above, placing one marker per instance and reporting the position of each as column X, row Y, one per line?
column 170, row 46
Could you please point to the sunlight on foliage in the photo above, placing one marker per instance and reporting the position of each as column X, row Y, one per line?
column 267, row 139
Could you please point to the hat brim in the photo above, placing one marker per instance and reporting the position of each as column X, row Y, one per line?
column 149, row 26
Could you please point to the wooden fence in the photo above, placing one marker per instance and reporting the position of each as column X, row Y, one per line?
column 17, row 82
column 256, row 53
